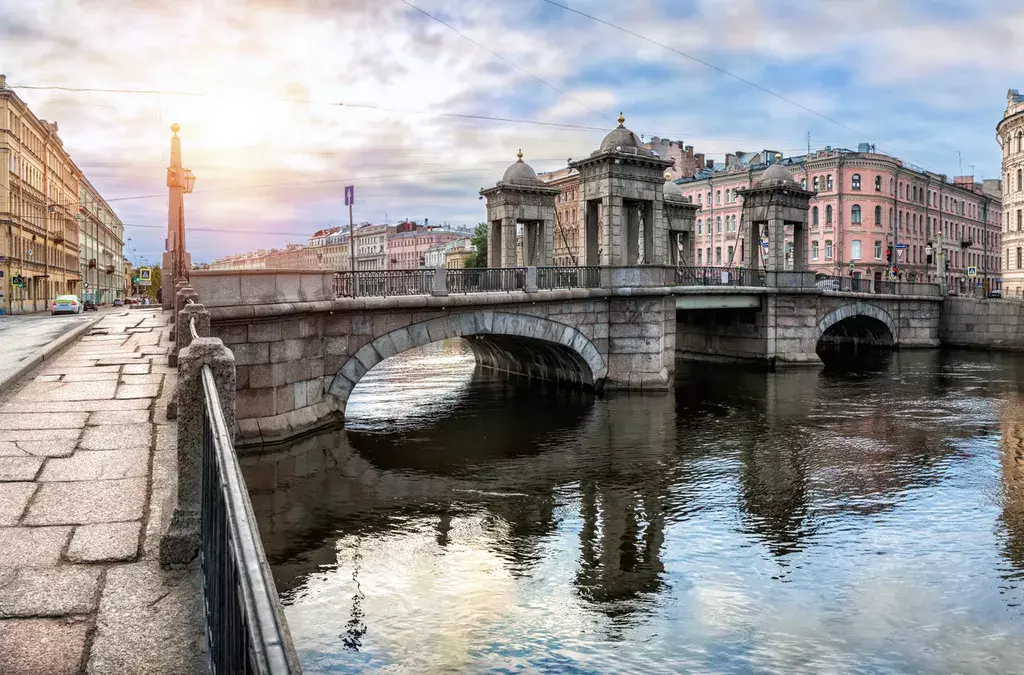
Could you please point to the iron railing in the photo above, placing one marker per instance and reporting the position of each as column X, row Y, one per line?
column 719, row 276
column 568, row 277
column 866, row 285
column 485, row 279
column 243, row 632
column 383, row 283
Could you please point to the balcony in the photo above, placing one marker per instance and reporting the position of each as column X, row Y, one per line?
column 966, row 243
column 110, row 269
column 92, row 263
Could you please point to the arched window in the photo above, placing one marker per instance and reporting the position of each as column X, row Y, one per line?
column 878, row 183
column 913, row 223
column 718, row 224
column 900, row 224
column 891, row 185
column 700, row 198
column 700, row 226
column 718, row 197
column 814, row 212
column 828, row 183
column 709, row 197
column 816, row 183
column 913, row 191
column 856, row 181
column 878, row 215
column 1020, row 141
column 901, row 190
column 855, row 214
column 803, row 182
column 828, row 214
column 1020, row 179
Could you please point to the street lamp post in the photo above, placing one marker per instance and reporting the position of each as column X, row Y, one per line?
column 180, row 181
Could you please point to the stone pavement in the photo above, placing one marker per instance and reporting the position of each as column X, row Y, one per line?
column 87, row 481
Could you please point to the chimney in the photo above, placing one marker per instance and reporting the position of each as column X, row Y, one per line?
column 711, row 164
column 689, row 151
column 3, row 81
column 730, row 159
column 700, row 159
column 426, row 222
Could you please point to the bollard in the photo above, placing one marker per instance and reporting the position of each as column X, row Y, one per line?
column 531, row 280
column 181, row 299
column 182, row 339
column 440, row 285
column 180, row 544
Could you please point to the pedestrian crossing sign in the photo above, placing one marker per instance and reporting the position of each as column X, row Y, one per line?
column 972, row 271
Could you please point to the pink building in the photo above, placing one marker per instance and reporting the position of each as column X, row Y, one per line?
column 407, row 247
column 864, row 198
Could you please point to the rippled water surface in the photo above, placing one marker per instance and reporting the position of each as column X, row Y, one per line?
column 867, row 521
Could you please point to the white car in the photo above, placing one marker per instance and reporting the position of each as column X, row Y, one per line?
column 66, row 304
column 828, row 284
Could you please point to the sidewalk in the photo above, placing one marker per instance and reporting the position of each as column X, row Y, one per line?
column 87, row 479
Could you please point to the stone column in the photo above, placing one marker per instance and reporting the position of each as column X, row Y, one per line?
column 799, row 247
column 776, row 243
column 608, row 232
column 182, row 339
column 547, row 257
column 494, row 241
column 508, row 242
column 531, row 280
column 440, row 285
column 754, row 244
column 180, row 544
column 181, row 298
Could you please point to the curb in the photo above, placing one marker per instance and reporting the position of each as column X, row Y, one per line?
column 46, row 352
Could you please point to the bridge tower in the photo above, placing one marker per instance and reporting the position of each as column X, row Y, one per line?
column 520, row 197
column 773, row 203
column 622, row 201
column 679, row 216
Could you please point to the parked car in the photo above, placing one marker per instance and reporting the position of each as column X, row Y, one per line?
column 828, row 284
column 66, row 304
column 89, row 306
column 118, row 302
column 995, row 293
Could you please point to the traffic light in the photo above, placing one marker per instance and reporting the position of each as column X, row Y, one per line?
column 888, row 254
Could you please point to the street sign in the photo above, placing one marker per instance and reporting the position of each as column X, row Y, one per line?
column 145, row 275
column 900, row 247
column 972, row 271
column 350, row 195
column 85, row 284
column 899, row 251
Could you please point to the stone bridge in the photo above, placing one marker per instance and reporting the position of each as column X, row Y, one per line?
column 300, row 350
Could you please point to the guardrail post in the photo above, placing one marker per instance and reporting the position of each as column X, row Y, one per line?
column 182, row 339
column 178, row 285
column 440, row 285
column 181, row 298
column 531, row 279
column 180, row 543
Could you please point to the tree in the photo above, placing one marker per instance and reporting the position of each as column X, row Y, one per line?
column 478, row 258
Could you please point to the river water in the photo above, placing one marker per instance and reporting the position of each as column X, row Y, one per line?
column 864, row 520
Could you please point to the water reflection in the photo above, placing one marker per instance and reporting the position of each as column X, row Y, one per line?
column 789, row 522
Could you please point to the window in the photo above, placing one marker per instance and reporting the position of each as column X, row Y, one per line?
column 1018, row 258
column 814, row 216
column 709, row 198
column 828, row 183
column 855, row 214
column 856, row 181
column 828, row 249
column 814, row 250
column 700, row 226
column 718, row 196
column 700, row 198
column 803, row 182
column 855, row 249
column 718, row 255
column 878, row 183
column 891, row 184
column 878, row 250
column 700, row 256
column 878, row 215
column 828, row 214
column 1018, row 220
column 901, row 190
column 1020, row 179
column 718, row 224
column 816, row 183
column 731, row 251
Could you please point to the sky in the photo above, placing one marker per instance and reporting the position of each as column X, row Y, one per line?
column 284, row 102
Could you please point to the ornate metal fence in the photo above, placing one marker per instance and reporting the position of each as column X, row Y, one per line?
column 568, row 277
column 485, row 279
column 243, row 632
column 382, row 283
column 719, row 276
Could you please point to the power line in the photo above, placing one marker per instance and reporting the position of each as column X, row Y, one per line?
column 506, row 60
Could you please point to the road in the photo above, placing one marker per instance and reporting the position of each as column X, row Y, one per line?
column 22, row 335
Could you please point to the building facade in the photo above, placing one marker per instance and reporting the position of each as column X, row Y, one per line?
column 1010, row 134
column 567, row 232
column 39, row 205
column 407, row 247
column 371, row 246
column 867, row 204
column 101, row 247
column 457, row 252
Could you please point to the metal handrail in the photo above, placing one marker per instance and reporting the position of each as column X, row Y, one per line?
column 383, row 283
column 243, row 632
column 719, row 276
column 569, row 277
column 485, row 279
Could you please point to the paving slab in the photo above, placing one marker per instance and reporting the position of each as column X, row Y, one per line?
column 69, row 391
column 147, row 622
column 91, row 377
column 81, row 503
column 14, row 497
column 136, row 369
column 80, row 406
column 97, row 465
column 32, row 546
column 54, row 448
column 104, row 542
column 153, row 378
column 121, row 417
column 42, row 646
column 49, row 591
column 138, row 391
column 19, row 468
column 116, row 437
column 10, row 421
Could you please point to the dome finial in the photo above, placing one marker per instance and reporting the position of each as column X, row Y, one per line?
column 520, row 154
column 622, row 119
column 175, row 128
column 668, row 176
column 778, row 156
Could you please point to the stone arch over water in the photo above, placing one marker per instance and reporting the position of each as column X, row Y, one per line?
column 515, row 343
column 858, row 323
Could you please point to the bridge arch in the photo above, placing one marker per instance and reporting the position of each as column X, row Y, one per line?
column 516, row 343
column 857, row 323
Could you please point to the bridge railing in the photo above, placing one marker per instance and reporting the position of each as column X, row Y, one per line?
column 485, row 279
column 568, row 277
column 383, row 283
column 719, row 276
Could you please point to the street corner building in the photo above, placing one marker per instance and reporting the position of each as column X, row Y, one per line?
column 58, row 234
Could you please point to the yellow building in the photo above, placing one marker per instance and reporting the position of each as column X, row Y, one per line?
column 39, row 202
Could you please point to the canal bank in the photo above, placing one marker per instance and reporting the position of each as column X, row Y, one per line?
column 791, row 522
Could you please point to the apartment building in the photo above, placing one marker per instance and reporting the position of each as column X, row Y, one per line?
column 101, row 247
